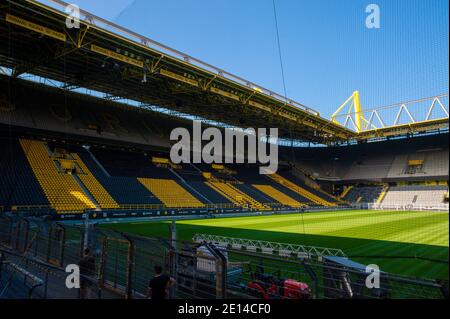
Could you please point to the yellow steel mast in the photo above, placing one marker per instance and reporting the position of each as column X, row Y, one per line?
column 355, row 108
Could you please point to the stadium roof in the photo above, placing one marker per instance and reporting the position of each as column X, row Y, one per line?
column 105, row 57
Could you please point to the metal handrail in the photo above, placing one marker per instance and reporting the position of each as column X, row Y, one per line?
column 29, row 207
column 267, row 246
column 132, row 207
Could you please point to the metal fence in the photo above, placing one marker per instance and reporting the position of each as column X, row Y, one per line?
column 36, row 252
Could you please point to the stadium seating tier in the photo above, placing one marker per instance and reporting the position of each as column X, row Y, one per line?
column 72, row 178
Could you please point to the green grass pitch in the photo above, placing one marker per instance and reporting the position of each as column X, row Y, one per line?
column 408, row 243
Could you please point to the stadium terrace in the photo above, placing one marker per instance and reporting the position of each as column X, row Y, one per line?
column 235, row 149
column 119, row 169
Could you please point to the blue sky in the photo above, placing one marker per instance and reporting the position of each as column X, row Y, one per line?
column 327, row 50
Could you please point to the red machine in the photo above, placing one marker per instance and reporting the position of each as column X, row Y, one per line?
column 273, row 287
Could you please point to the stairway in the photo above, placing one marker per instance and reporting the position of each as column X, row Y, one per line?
column 301, row 191
column 170, row 193
column 383, row 194
column 236, row 196
column 346, row 191
column 86, row 191
column 278, row 196
column 94, row 187
column 185, row 183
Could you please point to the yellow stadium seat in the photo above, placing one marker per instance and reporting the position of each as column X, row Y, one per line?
column 278, row 196
column 301, row 191
column 236, row 196
column 95, row 188
column 170, row 193
column 63, row 192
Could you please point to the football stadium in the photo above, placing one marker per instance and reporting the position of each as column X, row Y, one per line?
column 94, row 175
